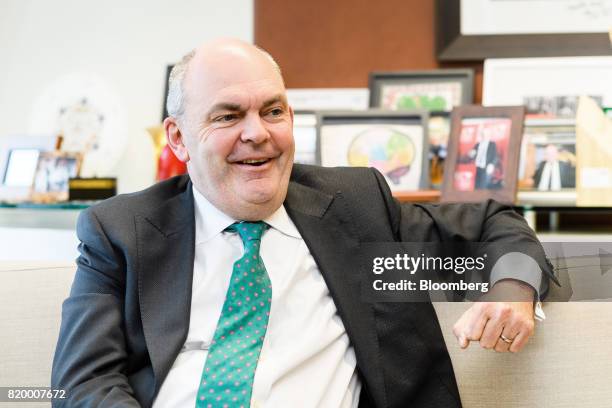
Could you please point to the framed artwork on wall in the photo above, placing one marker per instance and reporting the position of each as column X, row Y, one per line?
column 483, row 154
column 395, row 143
column 480, row 29
column 435, row 91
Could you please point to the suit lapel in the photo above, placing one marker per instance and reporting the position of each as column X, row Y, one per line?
column 325, row 224
column 166, row 245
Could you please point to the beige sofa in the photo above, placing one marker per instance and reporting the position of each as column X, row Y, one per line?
column 567, row 364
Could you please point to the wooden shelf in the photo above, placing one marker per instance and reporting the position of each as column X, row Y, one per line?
column 421, row 196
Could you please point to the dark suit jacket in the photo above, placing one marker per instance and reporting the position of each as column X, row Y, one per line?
column 491, row 154
column 567, row 174
column 127, row 315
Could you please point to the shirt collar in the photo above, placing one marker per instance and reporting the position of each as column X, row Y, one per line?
column 211, row 221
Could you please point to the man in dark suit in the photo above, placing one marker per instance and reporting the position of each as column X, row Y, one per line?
column 146, row 311
column 554, row 174
column 485, row 157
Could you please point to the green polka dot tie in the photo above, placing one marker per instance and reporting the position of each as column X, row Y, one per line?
column 227, row 378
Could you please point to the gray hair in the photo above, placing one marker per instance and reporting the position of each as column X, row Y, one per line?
column 175, row 102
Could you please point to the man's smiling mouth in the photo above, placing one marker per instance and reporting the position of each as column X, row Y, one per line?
column 254, row 162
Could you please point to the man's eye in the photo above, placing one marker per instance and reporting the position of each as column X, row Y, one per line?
column 276, row 112
column 226, row 118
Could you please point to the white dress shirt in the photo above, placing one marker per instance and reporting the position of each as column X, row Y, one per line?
column 306, row 359
column 551, row 177
column 481, row 154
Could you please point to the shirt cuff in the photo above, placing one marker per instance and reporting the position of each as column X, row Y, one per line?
column 515, row 265
column 518, row 266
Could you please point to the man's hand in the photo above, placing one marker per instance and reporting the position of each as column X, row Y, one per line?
column 490, row 321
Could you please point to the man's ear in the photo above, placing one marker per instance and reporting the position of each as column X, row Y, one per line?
column 174, row 136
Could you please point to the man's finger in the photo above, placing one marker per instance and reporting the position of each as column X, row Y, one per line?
column 491, row 333
column 522, row 337
column 463, row 341
column 509, row 333
column 470, row 325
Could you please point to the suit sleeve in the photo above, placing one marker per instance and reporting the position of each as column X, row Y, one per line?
column 90, row 357
column 488, row 221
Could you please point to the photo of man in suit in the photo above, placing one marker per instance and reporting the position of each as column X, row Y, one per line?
column 238, row 284
column 553, row 173
column 485, row 157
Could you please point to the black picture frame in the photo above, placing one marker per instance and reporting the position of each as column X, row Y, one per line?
column 451, row 45
column 417, row 117
column 377, row 80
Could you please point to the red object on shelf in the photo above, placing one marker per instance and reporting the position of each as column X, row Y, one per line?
column 168, row 165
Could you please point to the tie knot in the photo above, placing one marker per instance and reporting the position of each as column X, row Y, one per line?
column 249, row 231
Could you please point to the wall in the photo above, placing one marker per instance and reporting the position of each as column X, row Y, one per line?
column 322, row 43
column 126, row 43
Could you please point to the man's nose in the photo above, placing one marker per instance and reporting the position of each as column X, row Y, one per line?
column 254, row 130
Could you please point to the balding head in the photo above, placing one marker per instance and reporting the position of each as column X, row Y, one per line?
column 175, row 101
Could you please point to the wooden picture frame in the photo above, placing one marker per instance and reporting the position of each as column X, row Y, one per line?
column 53, row 171
column 476, row 171
column 396, row 143
column 437, row 90
column 452, row 45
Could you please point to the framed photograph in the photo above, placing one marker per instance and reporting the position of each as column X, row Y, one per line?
column 548, row 156
column 438, row 130
column 305, row 136
column 480, row 29
column 483, row 154
column 18, row 161
column 53, row 171
column 395, row 143
column 434, row 91
column 548, row 87
column 20, row 167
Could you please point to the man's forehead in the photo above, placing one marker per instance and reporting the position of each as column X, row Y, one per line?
column 213, row 83
column 246, row 89
column 244, row 96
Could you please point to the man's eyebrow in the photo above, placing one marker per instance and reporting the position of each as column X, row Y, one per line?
column 224, row 106
column 275, row 99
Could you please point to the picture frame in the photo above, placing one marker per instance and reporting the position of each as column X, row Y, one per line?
column 16, row 174
column 554, row 83
column 548, row 157
column 435, row 90
column 452, row 44
column 53, row 172
column 475, row 170
column 20, row 167
column 395, row 143
column 438, row 131
column 305, row 137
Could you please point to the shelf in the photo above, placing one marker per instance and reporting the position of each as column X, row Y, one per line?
column 421, row 196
